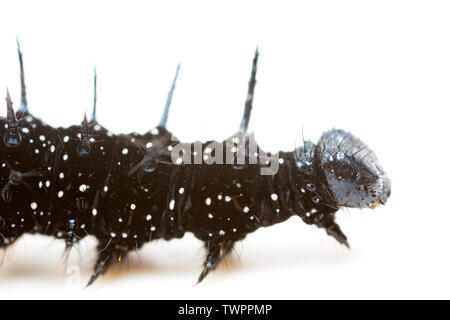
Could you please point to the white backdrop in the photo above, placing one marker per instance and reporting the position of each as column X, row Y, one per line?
column 380, row 69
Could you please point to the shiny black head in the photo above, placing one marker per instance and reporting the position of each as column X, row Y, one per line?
column 352, row 172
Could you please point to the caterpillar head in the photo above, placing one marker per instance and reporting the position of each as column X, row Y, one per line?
column 352, row 172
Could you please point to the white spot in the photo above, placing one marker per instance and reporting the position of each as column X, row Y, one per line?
column 149, row 217
column 61, row 175
column 113, row 235
column 133, row 206
column 246, row 209
column 66, row 138
column 210, row 216
column 208, row 201
column 60, row 194
column 33, row 205
column 36, row 151
column 65, row 157
column 155, row 131
column 83, row 188
column 281, row 161
column 274, row 197
column 42, row 138
column 172, row 205
column 52, row 149
column 26, row 130
column 105, row 189
column 47, row 183
column 124, row 235
column 181, row 191
column 234, row 230
column 94, row 212
column 227, row 199
column 125, row 151
column 149, row 145
column 222, row 233
column 153, row 228
column 40, row 184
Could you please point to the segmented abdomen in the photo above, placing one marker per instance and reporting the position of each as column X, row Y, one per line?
column 127, row 190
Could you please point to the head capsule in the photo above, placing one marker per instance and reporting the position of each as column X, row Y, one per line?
column 352, row 172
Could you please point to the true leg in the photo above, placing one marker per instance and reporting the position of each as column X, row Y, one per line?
column 216, row 251
column 106, row 256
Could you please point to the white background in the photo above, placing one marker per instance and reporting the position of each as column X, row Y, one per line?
column 380, row 69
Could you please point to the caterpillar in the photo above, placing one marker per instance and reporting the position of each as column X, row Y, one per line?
column 129, row 189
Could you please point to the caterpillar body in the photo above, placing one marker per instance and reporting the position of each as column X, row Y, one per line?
column 127, row 190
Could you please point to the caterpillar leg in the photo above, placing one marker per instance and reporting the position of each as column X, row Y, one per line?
column 215, row 253
column 250, row 93
column 107, row 255
column 333, row 230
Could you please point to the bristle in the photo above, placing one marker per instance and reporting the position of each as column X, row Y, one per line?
column 23, row 104
column 94, row 109
column 84, row 146
column 12, row 137
column 250, row 93
column 165, row 115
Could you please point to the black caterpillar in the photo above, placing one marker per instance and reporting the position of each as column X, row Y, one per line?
column 127, row 190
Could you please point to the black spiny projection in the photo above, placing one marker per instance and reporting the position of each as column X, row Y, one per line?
column 127, row 190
